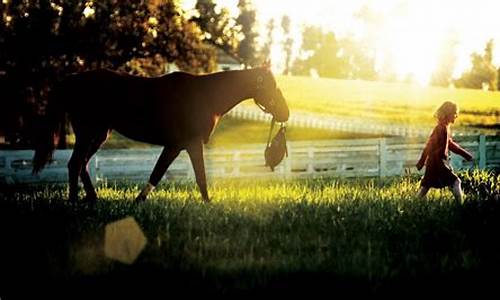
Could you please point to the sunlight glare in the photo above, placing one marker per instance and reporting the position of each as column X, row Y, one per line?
column 406, row 35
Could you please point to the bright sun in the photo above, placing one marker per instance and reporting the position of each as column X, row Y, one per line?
column 407, row 35
column 410, row 44
column 403, row 40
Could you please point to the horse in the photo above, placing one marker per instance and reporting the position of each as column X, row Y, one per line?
column 178, row 111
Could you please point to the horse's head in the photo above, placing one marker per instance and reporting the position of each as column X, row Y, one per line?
column 269, row 97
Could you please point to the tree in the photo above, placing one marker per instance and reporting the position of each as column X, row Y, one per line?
column 218, row 27
column 318, row 52
column 287, row 43
column 334, row 58
column 43, row 40
column 442, row 75
column 483, row 73
column 180, row 40
column 358, row 60
column 247, row 50
column 498, row 77
column 266, row 49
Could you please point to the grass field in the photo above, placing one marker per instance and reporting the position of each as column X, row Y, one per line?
column 259, row 238
column 388, row 102
column 272, row 237
column 230, row 132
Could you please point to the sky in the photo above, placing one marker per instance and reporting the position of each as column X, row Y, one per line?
column 406, row 33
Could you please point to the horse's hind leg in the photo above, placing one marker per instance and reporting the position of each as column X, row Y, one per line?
column 90, row 194
column 167, row 156
column 75, row 165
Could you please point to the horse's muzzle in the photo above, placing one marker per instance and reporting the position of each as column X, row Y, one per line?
column 282, row 115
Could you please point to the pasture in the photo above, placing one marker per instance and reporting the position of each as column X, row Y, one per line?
column 397, row 103
column 272, row 237
column 258, row 237
column 234, row 132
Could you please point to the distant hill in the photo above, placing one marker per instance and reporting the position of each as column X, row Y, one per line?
column 388, row 102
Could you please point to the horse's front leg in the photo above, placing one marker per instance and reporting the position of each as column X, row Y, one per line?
column 195, row 151
column 167, row 156
column 90, row 194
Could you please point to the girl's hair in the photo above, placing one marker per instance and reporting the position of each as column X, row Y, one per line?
column 445, row 110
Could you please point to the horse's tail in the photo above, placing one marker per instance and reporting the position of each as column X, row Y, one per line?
column 49, row 131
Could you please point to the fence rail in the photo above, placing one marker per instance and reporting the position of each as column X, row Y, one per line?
column 340, row 158
column 304, row 119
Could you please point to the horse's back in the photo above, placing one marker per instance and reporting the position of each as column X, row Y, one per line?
column 103, row 90
column 107, row 86
column 159, row 110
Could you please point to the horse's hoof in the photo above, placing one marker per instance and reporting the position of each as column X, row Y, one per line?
column 206, row 200
column 140, row 199
column 92, row 200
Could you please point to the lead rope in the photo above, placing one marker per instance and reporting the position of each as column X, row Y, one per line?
column 270, row 132
column 261, row 106
column 284, row 129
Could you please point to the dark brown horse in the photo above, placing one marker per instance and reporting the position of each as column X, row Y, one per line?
column 177, row 111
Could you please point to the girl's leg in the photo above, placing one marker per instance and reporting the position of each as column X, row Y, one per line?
column 456, row 189
column 422, row 192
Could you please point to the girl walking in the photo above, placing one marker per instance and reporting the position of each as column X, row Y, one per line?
column 438, row 171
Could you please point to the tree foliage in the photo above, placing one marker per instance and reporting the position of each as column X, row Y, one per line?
column 43, row 40
column 287, row 43
column 266, row 49
column 329, row 57
column 483, row 73
column 247, row 49
column 219, row 28
column 442, row 75
column 318, row 52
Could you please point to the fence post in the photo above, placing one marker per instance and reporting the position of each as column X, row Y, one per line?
column 236, row 163
column 288, row 161
column 310, row 160
column 190, row 168
column 93, row 169
column 8, row 173
column 382, row 157
column 482, row 151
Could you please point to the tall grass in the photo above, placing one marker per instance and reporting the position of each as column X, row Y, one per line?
column 259, row 235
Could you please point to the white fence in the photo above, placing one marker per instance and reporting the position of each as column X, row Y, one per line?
column 340, row 158
column 346, row 124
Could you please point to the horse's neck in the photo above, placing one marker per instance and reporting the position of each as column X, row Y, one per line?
column 234, row 87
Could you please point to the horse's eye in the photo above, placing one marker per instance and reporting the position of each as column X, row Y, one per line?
column 260, row 79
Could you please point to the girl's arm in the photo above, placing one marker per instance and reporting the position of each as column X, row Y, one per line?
column 454, row 147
